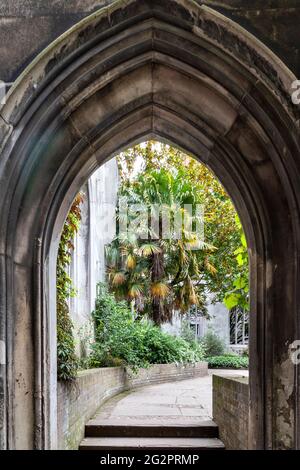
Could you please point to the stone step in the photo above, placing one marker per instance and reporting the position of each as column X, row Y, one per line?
column 153, row 443
column 205, row 429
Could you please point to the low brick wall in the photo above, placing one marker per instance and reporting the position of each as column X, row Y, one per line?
column 231, row 410
column 79, row 401
column 160, row 373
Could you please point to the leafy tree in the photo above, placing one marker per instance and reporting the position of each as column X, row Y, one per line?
column 238, row 294
column 159, row 275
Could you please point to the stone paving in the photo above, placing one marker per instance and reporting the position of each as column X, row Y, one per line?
column 184, row 402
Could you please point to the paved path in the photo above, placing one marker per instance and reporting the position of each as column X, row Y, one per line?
column 183, row 402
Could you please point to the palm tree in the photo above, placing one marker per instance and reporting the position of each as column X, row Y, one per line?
column 159, row 274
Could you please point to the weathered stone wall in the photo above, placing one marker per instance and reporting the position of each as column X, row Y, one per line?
column 29, row 26
column 79, row 401
column 97, row 229
column 218, row 323
column 231, row 410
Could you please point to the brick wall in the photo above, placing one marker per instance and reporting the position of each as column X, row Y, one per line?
column 231, row 410
column 160, row 373
column 79, row 401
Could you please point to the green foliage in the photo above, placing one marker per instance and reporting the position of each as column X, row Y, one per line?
column 212, row 344
column 158, row 276
column 186, row 332
column 228, row 362
column 66, row 358
column 238, row 293
column 67, row 363
column 122, row 340
column 222, row 227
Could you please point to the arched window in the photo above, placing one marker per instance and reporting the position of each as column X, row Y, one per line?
column 239, row 327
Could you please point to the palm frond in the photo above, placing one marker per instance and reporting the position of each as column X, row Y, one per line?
column 159, row 290
column 149, row 249
column 118, row 279
column 135, row 291
column 131, row 262
column 210, row 268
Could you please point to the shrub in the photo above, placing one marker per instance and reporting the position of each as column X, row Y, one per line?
column 228, row 362
column 122, row 340
column 212, row 344
column 163, row 348
column 186, row 332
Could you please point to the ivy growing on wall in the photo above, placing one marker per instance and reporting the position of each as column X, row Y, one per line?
column 67, row 363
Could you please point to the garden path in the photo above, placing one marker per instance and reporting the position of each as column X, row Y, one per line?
column 180, row 402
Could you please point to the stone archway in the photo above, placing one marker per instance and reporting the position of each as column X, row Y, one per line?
column 179, row 72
